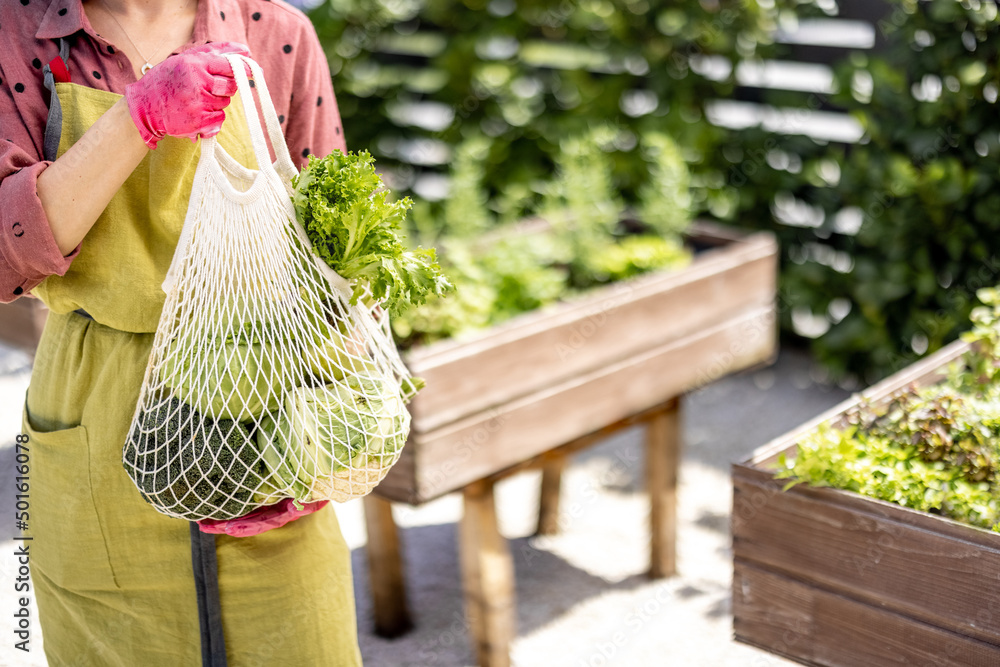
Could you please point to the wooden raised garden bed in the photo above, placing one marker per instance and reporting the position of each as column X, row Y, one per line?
column 549, row 377
column 530, row 391
column 833, row 578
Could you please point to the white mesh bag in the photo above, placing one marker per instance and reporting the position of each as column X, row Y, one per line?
column 264, row 382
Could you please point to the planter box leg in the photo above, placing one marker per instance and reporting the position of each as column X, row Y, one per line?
column 487, row 577
column 385, row 568
column 548, row 502
column 663, row 445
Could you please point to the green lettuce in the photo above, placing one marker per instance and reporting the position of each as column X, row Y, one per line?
column 354, row 227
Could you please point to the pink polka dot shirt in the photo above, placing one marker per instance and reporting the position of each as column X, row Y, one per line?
column 280, row 38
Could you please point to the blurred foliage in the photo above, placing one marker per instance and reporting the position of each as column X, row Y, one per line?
column 528, row 74
column 585, row 113
column 584, row 239
column 907, row 223
column 911, row 216
column 926, row 182
column 934, row 449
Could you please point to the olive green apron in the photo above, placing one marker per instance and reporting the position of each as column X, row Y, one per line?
column 112, row 576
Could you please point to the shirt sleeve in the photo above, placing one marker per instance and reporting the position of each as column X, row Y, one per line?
column 28, row 250
column 313, row 126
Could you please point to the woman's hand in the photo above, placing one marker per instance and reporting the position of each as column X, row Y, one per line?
column 184, row 96
column 261, row 520
column 186, row 100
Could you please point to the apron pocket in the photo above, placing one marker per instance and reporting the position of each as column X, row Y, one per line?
column 68, row 544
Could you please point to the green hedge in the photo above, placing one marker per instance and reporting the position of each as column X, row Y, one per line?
column 528, row 74
column 896, row 276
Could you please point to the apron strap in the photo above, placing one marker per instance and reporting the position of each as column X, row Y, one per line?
column 53, row 125
column 206, row 582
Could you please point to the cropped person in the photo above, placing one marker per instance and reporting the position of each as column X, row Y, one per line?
column 99, row 101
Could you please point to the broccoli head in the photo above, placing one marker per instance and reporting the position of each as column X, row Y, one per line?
column 192, row 466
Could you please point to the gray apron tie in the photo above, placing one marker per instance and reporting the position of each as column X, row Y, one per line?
column 206, row 583
column 53, row 125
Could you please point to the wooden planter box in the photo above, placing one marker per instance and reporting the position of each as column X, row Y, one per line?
column 21, row 323
column 829, row 577
column 552, row 376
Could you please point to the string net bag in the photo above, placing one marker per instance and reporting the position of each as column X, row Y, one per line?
column 264, row 381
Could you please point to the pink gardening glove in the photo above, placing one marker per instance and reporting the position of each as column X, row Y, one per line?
column 260, row 520
column 184, row 96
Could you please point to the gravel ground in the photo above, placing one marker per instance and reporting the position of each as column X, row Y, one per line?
column 582, row 597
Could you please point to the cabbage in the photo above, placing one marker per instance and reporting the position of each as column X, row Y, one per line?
column 335, row 441
column 227, row 379
column 332, row 348
column 336, row 353
column 330, row 359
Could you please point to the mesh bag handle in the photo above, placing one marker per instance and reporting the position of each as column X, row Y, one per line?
column 217, row 162
column 283, row 164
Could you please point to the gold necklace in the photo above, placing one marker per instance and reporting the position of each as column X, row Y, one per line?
column 147, row 65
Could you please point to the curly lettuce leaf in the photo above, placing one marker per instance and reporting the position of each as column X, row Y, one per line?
column 354, row 227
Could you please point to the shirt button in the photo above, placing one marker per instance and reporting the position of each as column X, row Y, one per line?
column 18, row 291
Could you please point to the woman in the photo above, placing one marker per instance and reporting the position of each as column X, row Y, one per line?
column 99, row 100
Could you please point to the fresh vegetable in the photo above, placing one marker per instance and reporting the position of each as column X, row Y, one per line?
column 337, row 354
column 941, row 424
column 470, row 308
column 194, row 466
column 519, row 273
column 333, row 348
column 631, row 256
column 336, row 350
column 411, row 386
column 880, row 464
column 224, row 378
column 328, row 437
column 935, row 449
column 290, row 400
column 587, row 238
column 356, row 230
